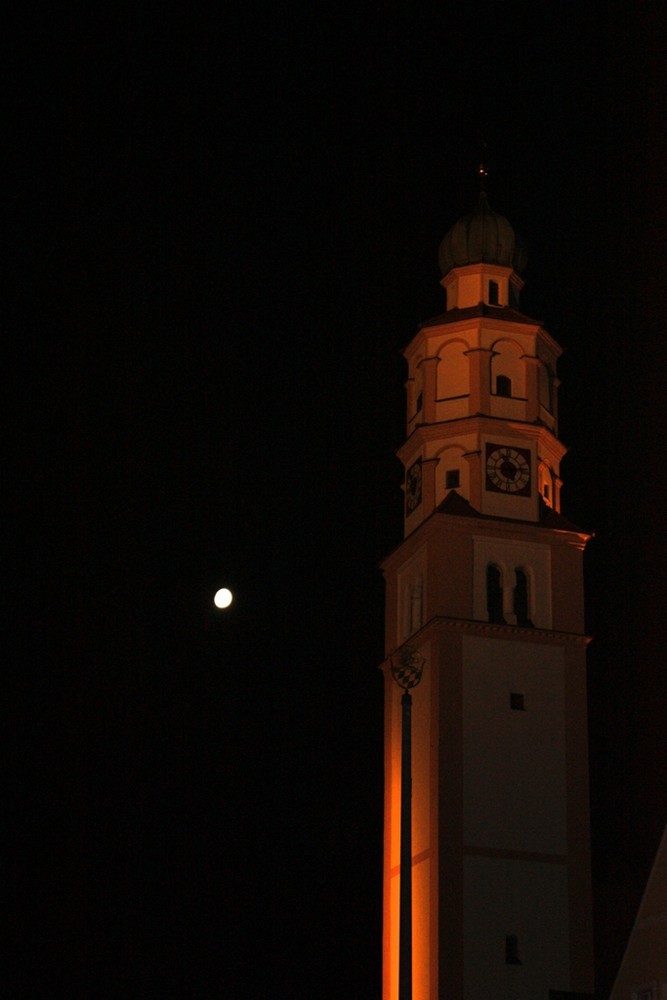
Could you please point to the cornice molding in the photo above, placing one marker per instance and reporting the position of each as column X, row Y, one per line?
column 470, row 626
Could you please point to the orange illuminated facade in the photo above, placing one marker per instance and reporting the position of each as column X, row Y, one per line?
column 487, row 586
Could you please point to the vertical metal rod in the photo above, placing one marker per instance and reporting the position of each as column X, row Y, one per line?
column 405, row 921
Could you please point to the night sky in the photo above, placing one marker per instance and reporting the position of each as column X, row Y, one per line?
column 224, row 229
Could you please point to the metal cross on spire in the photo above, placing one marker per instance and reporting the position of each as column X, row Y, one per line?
column 483, row 167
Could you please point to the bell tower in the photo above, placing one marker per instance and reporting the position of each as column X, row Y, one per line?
column 487, row 588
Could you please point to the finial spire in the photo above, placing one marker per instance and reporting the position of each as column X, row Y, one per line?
column 482, row 169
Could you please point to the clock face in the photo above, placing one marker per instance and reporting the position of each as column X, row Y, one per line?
column 508, row 469
column 413, row 486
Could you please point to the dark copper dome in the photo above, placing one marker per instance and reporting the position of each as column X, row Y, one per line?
column 481, row 237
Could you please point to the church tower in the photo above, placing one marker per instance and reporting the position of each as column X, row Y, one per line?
column 487, row 588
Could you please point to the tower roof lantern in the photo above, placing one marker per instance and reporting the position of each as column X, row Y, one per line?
column 483, row 236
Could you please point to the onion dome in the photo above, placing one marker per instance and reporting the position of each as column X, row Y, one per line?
column 482, row 237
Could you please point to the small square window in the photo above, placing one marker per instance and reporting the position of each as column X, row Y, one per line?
column 503, row 386
column 452, row 479
column 517, row 702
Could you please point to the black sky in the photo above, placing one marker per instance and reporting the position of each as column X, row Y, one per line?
column 226, row 230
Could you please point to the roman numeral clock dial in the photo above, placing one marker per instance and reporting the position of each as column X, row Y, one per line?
column 508, row 470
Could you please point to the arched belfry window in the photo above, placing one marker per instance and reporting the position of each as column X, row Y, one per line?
column 453, row 372
column 522, row 598
column 503, row 386
column 494, row 595
column 508, row 369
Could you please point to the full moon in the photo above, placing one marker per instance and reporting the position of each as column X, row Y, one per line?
column 223, row 598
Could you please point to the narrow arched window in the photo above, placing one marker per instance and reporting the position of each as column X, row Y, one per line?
column 503, row 385
column 521, row 599
column 493, row 293
column 494, row 595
